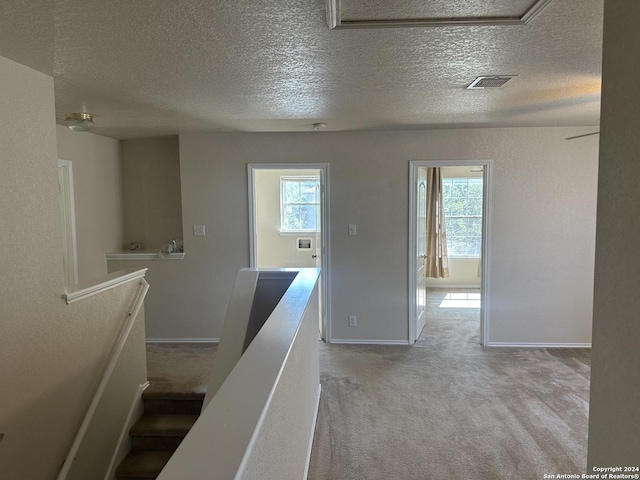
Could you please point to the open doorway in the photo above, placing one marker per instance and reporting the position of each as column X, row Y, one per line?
column 288, row 224
column 449, row 249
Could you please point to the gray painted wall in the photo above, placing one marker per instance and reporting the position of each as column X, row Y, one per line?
column 542, row 227
column 614, row 422
column 151, row 191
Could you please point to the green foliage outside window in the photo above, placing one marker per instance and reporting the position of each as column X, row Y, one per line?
column 299, row 204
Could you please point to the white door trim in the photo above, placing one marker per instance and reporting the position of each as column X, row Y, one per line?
column 324, row 206
column 67, row 199
column 486, row 240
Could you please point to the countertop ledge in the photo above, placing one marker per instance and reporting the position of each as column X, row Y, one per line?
column 143, row 255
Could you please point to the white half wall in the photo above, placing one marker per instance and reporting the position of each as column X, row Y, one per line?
column 97, row 182
column 543, row 225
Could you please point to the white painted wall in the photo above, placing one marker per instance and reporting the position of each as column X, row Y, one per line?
column 51, row 353
column 276, row 249
column 463, row 273
column 97, row 182
column 614, row 416
column 543, row 224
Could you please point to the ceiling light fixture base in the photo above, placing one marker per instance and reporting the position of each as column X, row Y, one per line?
column 78, row 122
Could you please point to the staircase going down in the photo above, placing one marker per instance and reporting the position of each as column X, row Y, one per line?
column 167, row 418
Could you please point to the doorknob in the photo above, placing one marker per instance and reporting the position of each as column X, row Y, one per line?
column 314, row 256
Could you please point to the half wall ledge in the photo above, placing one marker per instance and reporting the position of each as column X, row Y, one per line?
column 143, row 255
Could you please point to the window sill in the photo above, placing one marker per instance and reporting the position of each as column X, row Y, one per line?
column 299, row 233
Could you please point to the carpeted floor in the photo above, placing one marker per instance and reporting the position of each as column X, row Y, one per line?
column 179, row 367
column 447, row 408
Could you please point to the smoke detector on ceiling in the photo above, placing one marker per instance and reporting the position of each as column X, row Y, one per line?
column 493, row 81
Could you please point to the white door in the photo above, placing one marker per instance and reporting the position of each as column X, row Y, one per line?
column 421, row 240
column 287, row 218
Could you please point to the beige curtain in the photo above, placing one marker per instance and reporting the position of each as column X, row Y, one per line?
column 436, row 262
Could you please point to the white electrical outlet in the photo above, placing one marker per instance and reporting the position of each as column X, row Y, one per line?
column 353, row 321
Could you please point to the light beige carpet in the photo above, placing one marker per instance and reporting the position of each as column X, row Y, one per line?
column 179, row 368
column 443, row 409
column 447, row 408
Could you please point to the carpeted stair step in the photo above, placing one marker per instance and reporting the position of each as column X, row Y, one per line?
column 168, row 417
column 142, row 464
column 156, row 431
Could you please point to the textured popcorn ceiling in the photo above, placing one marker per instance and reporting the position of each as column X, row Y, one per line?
column 158, row 67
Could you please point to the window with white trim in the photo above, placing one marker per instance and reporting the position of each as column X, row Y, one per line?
column 462, row 199
column 300, row 204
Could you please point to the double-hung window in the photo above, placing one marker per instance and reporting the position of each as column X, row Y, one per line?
column 299, row 204
column 462, row 199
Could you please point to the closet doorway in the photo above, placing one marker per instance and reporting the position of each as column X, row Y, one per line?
column 449, row 245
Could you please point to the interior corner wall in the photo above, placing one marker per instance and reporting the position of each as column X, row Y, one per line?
column 542, row 225
column 97, row 183
column 151, row 191
column 614, row 416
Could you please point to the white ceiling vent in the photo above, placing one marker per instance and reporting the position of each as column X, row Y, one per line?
column 494, row 81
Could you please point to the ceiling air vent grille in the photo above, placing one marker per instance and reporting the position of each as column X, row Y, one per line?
column 494, row 81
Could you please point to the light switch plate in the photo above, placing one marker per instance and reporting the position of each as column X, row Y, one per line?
column 352, row 229
column 199, row 230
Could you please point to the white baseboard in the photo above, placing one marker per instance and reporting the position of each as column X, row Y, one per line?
column 368, row 342
column 313, row 431
column 183, row 340
column 124, row 441
column 539, row 345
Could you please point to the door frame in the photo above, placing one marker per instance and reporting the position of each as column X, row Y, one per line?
column 68, row 211
column 486, row 239
column 325, row 255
